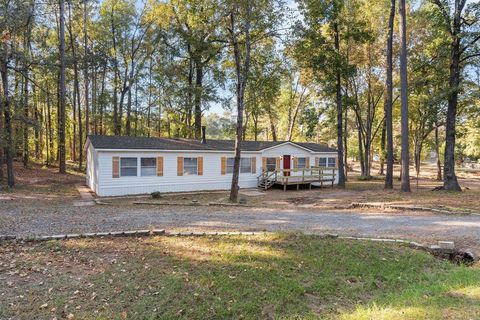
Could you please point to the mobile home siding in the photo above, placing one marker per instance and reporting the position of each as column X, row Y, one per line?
column 92, row 168
column 214, row 176
column 210, row 179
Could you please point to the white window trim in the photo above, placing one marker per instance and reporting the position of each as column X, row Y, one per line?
column 327, row 162
column 196, row 167
column 306, row 163
column 120, row 167
column 141, row 167
column 275, row 162
column 250, row 165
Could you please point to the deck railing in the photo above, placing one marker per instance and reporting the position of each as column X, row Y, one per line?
column 299, row 176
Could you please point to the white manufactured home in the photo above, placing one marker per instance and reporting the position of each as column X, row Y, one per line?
column 120, row 165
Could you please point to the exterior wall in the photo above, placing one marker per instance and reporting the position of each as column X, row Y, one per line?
column 99, row 170
column 212, row 179
column 328, row 155
column 288, row 149
column 92, row 168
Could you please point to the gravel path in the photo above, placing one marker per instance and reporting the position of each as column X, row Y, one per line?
column 58, row 219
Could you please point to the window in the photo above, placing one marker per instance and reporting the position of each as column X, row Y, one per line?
column 245, row 165
column 301, row 163
column 148, row 167
column 230, row 162
column 322, row 162
column 332, row 162
column 271, row 164
column 190, row 166
column 128, row 167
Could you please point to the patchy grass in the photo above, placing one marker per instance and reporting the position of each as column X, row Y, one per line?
column 266, row 276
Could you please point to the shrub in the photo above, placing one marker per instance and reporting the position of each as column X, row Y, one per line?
column 156, row 195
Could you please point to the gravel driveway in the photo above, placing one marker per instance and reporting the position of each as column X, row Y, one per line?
column 63, row 218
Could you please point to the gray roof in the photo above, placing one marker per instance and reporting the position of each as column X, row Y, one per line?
column 128, row 142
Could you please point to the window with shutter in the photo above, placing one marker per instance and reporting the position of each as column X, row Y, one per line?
column 128, row 167
column 148, row 167
column 190, row 166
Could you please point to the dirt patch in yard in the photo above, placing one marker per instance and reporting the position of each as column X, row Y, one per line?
column 43, row 184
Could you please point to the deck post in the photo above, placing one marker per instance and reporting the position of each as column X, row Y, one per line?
column 333, row 178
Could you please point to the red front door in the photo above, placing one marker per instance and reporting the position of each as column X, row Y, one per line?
column 286, row 165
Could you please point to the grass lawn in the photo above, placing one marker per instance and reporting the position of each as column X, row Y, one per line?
column 290, row 276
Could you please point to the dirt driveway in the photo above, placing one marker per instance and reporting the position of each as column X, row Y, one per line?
column 67, row 219
column 43, row 204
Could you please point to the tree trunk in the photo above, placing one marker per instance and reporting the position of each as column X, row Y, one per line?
column 437, row 150
column 102, row 100
column 360, row 150
column 198, row 99
column 76, row 98
column 38, row 123
column 149, row 106
column 61, row 85
column 272, row 124
column 417, row 156
column 189, row 95
column 345, row 143
column 2, row 132
column 338, row 87
column 9, row 147
column 85, row 75
column 76, row 83
column 26, row 151
column 382, row 149
column 242, row 70
column 405, row 185
column 128, row 121
column 389, row 99
column 450, row 181
column 116, row 124
column 94, row 73
column 75, row 89
column 51, row 155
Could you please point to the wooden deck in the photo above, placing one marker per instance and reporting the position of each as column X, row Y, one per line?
column 308, row 176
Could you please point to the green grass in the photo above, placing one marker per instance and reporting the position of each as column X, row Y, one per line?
column 281, row 276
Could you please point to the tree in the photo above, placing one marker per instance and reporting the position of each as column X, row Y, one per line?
column 242, row 66
column 389, row 99
column 61, row 91
column 197, row 25
column 5, row 105
column 405, row 185
column 462, row 23
column 320, row 50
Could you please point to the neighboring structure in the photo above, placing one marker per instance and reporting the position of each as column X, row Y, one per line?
column 120, row 165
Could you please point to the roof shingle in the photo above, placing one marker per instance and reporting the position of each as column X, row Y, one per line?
column 129, row 142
